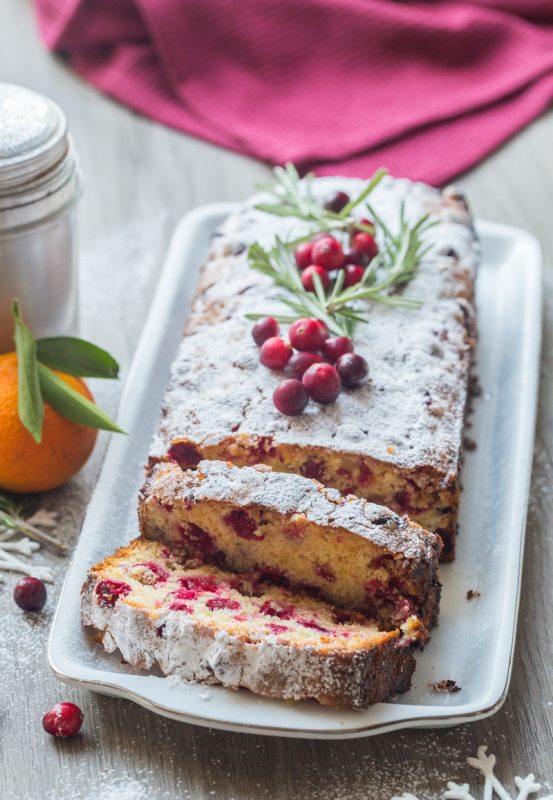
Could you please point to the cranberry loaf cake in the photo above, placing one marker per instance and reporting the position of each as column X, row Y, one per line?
column 207, row 625
column 397, row 439
column 296, row 533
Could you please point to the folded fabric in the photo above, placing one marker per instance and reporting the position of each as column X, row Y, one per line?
column 339, row 86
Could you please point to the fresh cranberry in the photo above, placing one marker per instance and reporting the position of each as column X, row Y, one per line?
column 325, row 572
column 290, row 397
column 308, row 334
column 354, row 229
column 30, row 593
column 185, row 454
column 375, row 589
column 352, row 369
column 243, row 524
column 335, row 347
column 273, row 609
column 312, row 468
column 293, row 530
column 222, row 602
column 302, row 254
column 322, row 382
column 180, row 605
column 109, row 592
column 275, row 353
column 328, row 253
column 199, row 583
column 307, row 277
column 184, row 594
column 264, row 329
column 310, row 623
column 355, row 256
column 299, row 362
column 353, row 273
column 197, row 539
column 365, row 243
column 63, row 720
column 276, row 629
column 336, row 202
column 403, row 609
column 366, row 476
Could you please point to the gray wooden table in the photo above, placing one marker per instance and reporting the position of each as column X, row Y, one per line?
column 140, row 178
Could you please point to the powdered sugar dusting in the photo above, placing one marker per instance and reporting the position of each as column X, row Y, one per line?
column 409, row 414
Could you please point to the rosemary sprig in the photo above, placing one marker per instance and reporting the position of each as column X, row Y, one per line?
column 294, row 198
column 13, row 516
column 394, row 266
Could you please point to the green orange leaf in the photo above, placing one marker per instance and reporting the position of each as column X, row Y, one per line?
column 30, row 405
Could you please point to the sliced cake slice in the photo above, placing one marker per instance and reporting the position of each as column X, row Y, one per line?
column 204, row 624
column 296, row 533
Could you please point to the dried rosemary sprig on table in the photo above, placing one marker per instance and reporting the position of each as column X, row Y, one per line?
column 394, row 266
column 17, row 516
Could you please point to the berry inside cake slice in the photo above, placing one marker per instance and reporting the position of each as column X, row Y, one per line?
column 298, row 534
column 208, row 625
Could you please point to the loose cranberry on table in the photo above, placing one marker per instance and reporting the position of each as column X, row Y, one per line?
column 336, row 202
column 290, row 397
column 264, row 329
column 63, row 720
column 352, row 369
column 327, row 252
column 353, row 273
column 322, row 382
column 299, row 362
column 307, row 277
column 365, row 243
column 275, row 353
column 335, row 347
column 30, row 594
column 302, row 254
column 308, row 334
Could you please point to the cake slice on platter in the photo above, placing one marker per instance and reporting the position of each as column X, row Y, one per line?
column 396, row 440
column 295, row 532
column 208, row 625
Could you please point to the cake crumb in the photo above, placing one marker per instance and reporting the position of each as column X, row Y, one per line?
column 445, row 685
column 469, row 444
column 472, row 594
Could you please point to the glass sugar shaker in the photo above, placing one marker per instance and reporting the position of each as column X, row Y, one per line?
column 40, row 184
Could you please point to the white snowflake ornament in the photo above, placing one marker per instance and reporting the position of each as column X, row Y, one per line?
column 493, row 787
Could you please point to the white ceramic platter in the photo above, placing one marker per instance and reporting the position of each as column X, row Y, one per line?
column 474, row 642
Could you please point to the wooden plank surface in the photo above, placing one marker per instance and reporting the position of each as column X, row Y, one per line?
column 140, row 178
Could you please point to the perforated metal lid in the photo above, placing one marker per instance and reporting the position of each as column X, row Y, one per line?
column 37, row 159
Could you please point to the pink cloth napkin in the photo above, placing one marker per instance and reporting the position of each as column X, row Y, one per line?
column 426, row 89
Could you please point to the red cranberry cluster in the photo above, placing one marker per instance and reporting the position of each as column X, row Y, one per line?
column 317, row 364
column 323, row 255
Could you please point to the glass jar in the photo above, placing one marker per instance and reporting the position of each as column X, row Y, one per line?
column 40, row 184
